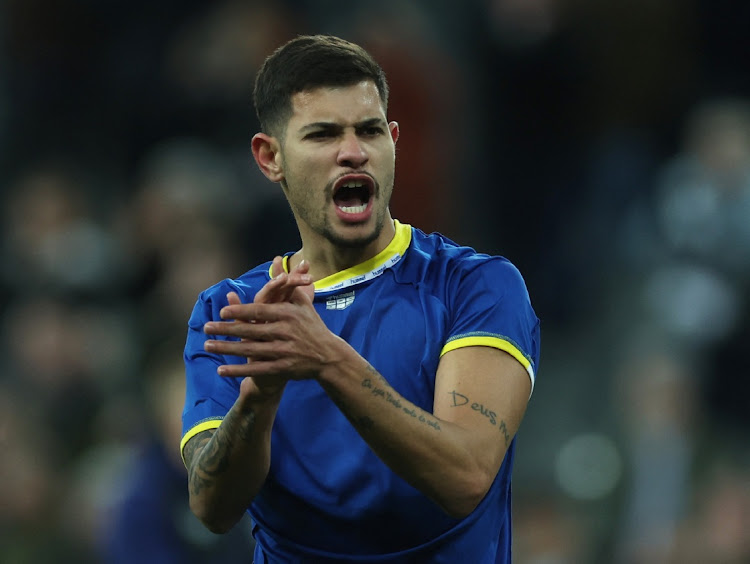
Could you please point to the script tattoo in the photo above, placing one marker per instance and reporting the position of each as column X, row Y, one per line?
column 377, row 386
column 459, row 400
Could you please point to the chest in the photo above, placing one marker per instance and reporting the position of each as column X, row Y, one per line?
column 399, row 329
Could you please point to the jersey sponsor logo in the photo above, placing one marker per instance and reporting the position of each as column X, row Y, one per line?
column 342, row 301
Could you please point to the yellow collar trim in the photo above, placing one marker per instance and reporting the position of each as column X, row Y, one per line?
column 370, row 268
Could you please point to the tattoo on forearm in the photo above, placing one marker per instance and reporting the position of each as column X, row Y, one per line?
column 197, row 481
column 365, row 423
column 460, row 400
column 377, row 386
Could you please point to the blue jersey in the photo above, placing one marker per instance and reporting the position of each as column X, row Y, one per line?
column 328, row 497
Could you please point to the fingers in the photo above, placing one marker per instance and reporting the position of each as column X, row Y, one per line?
column 252, row 350
column 253, row 313
column 265, row 373
column 277, row 267
column 299, row 278
column 281, row 287
column 233, row 298
column 273, row 291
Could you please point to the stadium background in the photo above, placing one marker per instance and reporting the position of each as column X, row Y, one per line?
column 604, row 147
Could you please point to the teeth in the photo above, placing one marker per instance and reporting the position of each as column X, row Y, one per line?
column 352, row 184
column 353, row 209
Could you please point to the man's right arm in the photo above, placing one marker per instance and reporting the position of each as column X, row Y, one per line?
column 227, row 466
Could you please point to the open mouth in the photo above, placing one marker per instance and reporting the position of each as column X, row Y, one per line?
column 352, row 195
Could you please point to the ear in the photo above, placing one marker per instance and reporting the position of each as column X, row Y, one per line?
column 393, row 127
column 267, row 153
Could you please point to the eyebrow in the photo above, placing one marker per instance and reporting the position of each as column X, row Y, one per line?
column 333, row 125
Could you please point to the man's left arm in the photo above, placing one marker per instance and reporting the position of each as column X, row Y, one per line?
column 453, row 454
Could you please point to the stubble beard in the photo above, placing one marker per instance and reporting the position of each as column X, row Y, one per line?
column 348, row 243
column 325, row 228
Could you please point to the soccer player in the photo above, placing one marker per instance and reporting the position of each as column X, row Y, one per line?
column 358, row 397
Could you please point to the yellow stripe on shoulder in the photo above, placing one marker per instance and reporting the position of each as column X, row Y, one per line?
column 205, row 425
column 496, row 343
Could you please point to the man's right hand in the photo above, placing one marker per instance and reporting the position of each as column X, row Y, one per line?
column 280, row 288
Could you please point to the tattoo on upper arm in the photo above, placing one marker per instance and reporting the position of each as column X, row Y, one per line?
column 460, row 400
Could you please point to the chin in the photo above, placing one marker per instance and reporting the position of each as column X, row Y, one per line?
column 355, row 240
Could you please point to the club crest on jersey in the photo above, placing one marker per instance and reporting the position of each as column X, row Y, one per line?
column 341, row 301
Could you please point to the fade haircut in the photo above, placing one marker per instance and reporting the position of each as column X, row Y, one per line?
column 305, row 63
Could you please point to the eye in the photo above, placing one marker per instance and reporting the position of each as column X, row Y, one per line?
column 371, row 131
column 320, row 134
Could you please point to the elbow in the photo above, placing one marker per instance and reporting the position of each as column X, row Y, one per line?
column 214, row 521
column 465, row 498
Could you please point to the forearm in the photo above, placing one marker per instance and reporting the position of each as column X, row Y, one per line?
column 433, row 455
column 229, row 468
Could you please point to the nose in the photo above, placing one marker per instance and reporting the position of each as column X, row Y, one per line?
column 352, row 153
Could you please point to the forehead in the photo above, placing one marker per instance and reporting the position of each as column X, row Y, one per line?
column 339, row 104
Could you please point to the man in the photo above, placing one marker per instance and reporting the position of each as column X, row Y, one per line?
column 358, row 397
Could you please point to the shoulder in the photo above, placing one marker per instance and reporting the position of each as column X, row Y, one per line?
column 212, row 299
column 437, row 259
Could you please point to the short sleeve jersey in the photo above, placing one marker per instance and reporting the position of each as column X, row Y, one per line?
column 328, row 497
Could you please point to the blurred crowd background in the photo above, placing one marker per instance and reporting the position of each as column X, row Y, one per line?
column 604, row 147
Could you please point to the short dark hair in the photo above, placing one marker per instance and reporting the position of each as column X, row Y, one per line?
column 305, row 63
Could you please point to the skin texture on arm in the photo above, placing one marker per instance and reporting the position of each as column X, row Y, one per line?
column 451, row 455
column 227, row 466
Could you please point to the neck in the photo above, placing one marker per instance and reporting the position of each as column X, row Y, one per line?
column 326, row 259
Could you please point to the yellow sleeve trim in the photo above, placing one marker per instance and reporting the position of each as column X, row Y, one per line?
column 199, row 428
column 496, row 343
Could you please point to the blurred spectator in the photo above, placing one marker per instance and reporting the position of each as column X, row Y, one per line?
column 681, row 298
column 548, row 532
column 63, row 359
column 689, row 250
column 656, row 392
column 213, row 57
column 53, row 237
column 716, row 530
column 30, row 488
column 703, row 200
